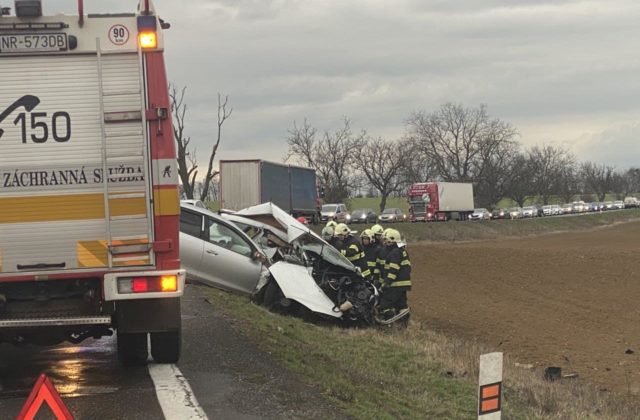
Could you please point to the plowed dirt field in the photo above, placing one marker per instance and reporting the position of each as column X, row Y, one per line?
column 567, row 299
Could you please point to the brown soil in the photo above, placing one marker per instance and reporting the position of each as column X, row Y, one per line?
column 570, row 300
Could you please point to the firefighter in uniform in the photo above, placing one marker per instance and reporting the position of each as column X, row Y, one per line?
column 370, row 249
column 327, row 235
column 396, row 280
column 349, row 246
column 332, row 224
column 382, row 251
column 377, row 234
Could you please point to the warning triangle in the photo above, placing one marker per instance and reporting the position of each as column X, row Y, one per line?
column 44, row 391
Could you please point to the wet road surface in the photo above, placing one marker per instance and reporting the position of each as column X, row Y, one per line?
column 220, row 370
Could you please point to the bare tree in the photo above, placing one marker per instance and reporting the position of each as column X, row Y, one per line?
column 598, row 179
column 519, row 179
column 458, row 140
column 223, row 115
column 332, row 156
column 568, row 184
column 547, row 163
column 492, row 180
column 381, row 162
column 417, row 167
column 187, row 162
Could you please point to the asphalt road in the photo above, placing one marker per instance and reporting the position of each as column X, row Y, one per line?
column 221, row 375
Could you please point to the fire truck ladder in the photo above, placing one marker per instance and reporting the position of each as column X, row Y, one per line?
column 128, row 244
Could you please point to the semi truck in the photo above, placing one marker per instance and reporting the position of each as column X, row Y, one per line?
column 245, row 183
column 440, row 201
column 89, row 204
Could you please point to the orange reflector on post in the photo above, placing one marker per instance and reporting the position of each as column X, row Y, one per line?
column 169, row 283
column 148, row 40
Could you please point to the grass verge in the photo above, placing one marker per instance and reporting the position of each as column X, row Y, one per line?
column 412, row 373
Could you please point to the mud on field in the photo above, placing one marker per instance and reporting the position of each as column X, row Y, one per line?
column 568, row 299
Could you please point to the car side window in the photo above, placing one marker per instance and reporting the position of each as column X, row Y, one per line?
column 190, row 223
column 226, row 237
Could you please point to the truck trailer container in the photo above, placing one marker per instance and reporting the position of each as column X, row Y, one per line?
column 440, row 201
column 245, row 183
column 89, row 205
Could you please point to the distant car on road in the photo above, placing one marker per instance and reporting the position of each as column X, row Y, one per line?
column 363, row 216
column 337, row 212
column 391, row 215
column 529, row 211
column 618, row 204
column 500, row 214
column 594, row 206
column 551, row 210
column 515, row 213
column 480, row 214
column 631, row 202
column 567, row 208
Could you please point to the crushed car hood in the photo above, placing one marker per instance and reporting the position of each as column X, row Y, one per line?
column 297, row 284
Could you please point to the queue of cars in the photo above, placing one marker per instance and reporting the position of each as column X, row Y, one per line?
column 338, row 213
column 576, row 207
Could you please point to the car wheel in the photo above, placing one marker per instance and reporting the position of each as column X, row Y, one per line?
column 166, row 346
column 132, row 349
column 272, row 295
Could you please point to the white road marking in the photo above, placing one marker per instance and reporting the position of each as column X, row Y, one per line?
column 174, row 393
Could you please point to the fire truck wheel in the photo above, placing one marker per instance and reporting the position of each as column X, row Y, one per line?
column 165, row 346
column 132, row 349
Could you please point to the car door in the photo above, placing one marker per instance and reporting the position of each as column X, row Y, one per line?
column 227, row 259
column 191, row 243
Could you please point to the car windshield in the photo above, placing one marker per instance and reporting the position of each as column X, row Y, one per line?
column 358, row 212
column 480, row 210
column 326, row 251
column 389, row 211
column 529, row 208
column 514, row 209
column 329, row 207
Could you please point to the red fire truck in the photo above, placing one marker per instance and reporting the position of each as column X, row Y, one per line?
column 89, row 206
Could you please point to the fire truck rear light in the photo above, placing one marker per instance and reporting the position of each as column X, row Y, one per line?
column 148, row 40
column 152, row 284
column 139, row 285
column 169, row 283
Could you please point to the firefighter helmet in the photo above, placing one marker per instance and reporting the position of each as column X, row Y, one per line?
column 342, row 229
column 367, row 233
column 392, row 235
column 327, row 232
column 377, row 229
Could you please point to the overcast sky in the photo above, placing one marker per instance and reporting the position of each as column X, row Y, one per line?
column 562, row 72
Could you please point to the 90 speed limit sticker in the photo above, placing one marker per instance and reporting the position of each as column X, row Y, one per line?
column 118, row 34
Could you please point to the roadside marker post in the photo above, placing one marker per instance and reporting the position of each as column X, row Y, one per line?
column 44, row 391
column 490, row 387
